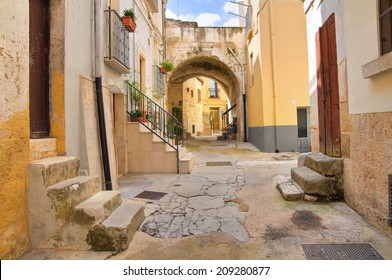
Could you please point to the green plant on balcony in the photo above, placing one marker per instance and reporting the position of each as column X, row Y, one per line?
column 129, row 19
column 166, row 66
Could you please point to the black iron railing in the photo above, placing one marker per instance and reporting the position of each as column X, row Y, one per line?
column 225, row 116
column 164, row 125
column 117, row 39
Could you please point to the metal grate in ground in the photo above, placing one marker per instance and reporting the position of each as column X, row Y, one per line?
column 151, row 195
column 219, row 163
column 340, row 252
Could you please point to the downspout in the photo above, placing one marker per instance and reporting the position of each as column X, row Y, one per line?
column 274, row 83
column 98, row 91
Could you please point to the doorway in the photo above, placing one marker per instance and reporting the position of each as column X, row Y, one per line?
column 328, row 89
column 39, row 68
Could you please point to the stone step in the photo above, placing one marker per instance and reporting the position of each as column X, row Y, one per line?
column 187, row 162
column 312, row 182
column 324, row 164
column 98, row 207
column 71, row 192
column 116, row 232
column 290, row 190
column 52, row 170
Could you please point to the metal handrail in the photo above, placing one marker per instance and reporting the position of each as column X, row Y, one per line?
column 225, row 119
column 155, row 118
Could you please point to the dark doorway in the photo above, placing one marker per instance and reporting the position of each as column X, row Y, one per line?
column 328, row 89
column 39, row 68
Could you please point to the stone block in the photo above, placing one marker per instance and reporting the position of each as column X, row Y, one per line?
column 324, row 164
column 116, row 232
column 290, row 191
column 312, row 182
column 54, row 170
column 98, row 207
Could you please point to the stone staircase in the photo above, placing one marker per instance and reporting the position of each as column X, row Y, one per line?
column 67, row 211
column 316, row 178
column 147, row 153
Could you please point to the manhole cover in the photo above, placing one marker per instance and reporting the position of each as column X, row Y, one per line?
column 340, row 252
column 219, row 163
column 151, row 195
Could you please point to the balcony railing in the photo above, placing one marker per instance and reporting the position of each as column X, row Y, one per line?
column 117, row 39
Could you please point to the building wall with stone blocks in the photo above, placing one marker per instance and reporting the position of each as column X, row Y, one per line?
column 365, row 106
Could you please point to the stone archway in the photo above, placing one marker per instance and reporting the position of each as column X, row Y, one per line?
column 215, row 52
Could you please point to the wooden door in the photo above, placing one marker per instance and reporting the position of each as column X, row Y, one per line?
column 39, row 68
column 328, row 89
column 216, row 115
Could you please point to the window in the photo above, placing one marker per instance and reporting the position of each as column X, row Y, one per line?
column 199, row 95
column 385, row 7
column 213, row 89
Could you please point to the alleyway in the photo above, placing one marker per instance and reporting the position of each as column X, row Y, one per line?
column 229, row 208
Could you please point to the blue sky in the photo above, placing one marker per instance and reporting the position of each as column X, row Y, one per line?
column 204, row 12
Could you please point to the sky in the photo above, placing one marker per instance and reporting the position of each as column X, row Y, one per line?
column 204, row 12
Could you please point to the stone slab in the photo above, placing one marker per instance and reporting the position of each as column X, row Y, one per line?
column 312, row 182
column 324, row 164
column 290, row 191
column 101, row 205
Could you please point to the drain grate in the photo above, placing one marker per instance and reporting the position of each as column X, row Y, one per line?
column 151, row 195
column 219, row 163
column 340, row 252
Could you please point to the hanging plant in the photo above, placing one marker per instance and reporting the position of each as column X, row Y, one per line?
column 129, row 19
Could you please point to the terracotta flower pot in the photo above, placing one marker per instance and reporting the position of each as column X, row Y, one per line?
column 129, row 23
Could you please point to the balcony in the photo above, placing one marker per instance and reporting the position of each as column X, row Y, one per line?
column 153, row 5
column 117, row 43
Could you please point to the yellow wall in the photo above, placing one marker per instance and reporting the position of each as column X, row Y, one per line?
column 14, row 128
column 279, row 61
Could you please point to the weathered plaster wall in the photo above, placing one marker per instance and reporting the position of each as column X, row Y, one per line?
column 192, row 107
column 14, row 127
column 366, row 138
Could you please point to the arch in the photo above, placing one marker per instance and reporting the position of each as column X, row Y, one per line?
column 218, row 53
column 211, row 67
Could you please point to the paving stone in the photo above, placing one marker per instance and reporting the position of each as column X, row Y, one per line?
column 205, row 202
column 218, row 190
column 230, row 211
column 234, row 228
column 210, row 224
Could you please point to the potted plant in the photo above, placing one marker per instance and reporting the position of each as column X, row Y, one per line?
column 128, row 20
column 166, row 66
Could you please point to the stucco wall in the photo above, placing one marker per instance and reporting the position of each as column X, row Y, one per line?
column 14, row 127
column 277, row 74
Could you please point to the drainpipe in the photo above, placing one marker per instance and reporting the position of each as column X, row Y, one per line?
column 98, row 90
column 274, row 83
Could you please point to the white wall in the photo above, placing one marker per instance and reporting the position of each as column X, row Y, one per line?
column 361, row 25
